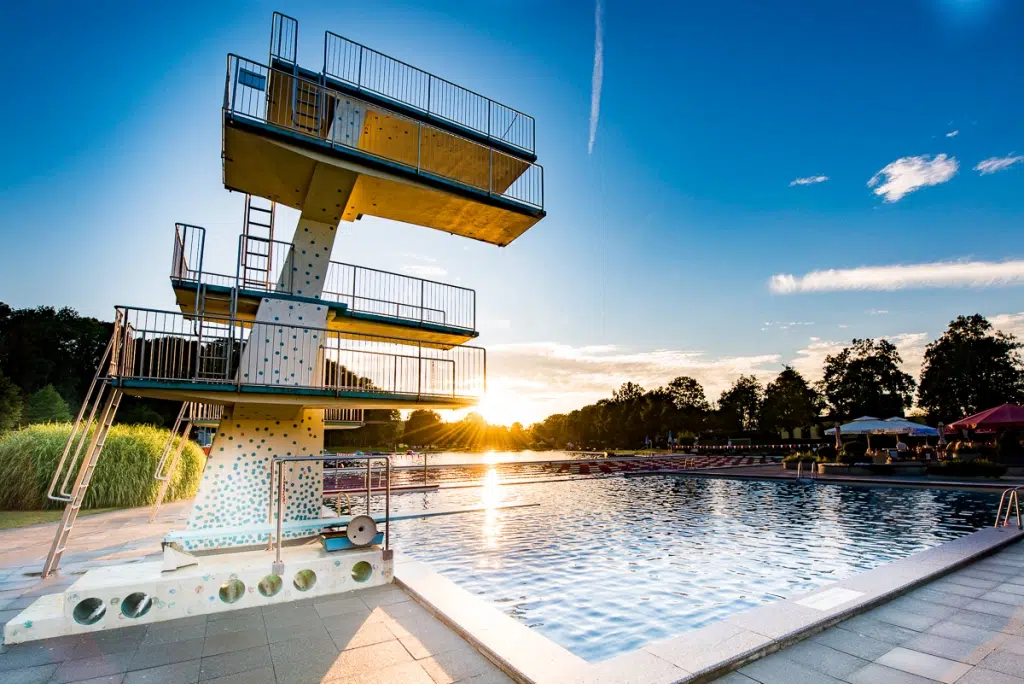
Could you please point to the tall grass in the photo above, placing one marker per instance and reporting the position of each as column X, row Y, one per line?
column 123, row 477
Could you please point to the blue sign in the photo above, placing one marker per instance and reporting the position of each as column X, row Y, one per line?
column 252, row 79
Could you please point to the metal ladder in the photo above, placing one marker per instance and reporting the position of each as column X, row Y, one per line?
column 306, row 104
column 100, row 393
column 186, row 415
column 1011, row 498
column 257, row 265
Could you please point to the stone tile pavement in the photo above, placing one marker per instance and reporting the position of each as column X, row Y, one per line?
column 967, row 628
column 373, row 636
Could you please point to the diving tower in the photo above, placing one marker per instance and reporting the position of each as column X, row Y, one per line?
column 368, row 134
column 287, row 342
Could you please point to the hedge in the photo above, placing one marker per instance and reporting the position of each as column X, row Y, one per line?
column 123, row 477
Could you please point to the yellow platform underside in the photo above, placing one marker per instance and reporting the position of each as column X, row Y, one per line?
column 300, row 401
column 282, row 171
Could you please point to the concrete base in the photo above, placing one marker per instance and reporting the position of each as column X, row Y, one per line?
column 140, row 593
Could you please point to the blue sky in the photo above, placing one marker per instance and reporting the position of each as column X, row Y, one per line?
column 661, row 245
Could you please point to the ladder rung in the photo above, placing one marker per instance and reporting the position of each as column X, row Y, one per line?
column 253, row 207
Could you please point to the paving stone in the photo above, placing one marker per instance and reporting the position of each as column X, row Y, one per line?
column 902, row 618
column 1004, row 597
column 1012, row 644
column 235, row 641
column 309, row 630
column 235, row 624
column 823, row 659
column 921, row 607
column 968, row 634
column 406, row 673
column 173, row 634
column 980, row 675
column 735, row 678
column 109, row 679
column 457, row 665
column 1011, row 588
column 264, row 675
column 994, row 608
column 996, row 623
column 300, row 661
column 235, row 661
column 879, row 674
column 281, row 615
column 850, row 642
column 91, row 668
column 165, row 654
column 866, row 625
column 186, row 672
column 634, row 667
column 99, row 643
column 28, row 675
column 958, row 589
column 493, row 677
column 924, row 665
column 966, row 581
column 383, row 596
column 951, row 649
column 19, row 656
column 235, row 614
column 357, row 636
column 368, row 658
column 423, row 643
column 942, row 598
column 777, row 670
column 1004, row 661
column 340, row 606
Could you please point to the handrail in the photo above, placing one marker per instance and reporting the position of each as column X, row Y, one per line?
column 158, row 345
column 465, row 107
column 1012, row 500
column 265, row 94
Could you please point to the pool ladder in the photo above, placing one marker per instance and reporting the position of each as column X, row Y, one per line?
column 1011, row 498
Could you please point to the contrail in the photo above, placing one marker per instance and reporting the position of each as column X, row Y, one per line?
column 598, row 77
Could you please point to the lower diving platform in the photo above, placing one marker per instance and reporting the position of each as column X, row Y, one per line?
column 219, row 360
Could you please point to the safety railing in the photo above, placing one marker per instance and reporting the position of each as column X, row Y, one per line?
column 1011, row 499
column 271, row 96
column 187, row 258
column 365, row 69
column 343, row 415
column 167, row 346
column 204, row 413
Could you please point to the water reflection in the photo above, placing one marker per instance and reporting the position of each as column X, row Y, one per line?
column 491, row 495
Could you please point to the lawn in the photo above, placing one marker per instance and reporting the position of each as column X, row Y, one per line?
column 12, row 519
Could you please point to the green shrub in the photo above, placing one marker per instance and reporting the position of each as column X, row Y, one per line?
column 826, row 453
column 46, row 406
column 123, row 477
column 976, row 468
column 854, row 452
column 805, row 456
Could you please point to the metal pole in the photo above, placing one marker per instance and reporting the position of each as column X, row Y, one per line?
column 387, row 504
column 278, row 564
column 425, row 455
column 369, row 484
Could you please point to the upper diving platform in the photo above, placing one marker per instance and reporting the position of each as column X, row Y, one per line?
column 369, row 134
column 219, row 360
column 359, row 299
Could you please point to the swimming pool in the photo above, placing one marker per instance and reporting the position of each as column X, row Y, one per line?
column 604, row 566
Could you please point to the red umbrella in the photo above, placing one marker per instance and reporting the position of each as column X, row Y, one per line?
column 1005, row 417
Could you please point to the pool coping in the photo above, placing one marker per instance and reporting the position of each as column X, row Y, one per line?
column 696, row 656
column 982, row 485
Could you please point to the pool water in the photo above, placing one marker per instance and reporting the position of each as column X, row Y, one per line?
column 604, row 566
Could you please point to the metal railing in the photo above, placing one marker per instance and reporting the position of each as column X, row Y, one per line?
column 282, row 99
column 343, row 415
column 365, row 69
column 268, row 266
column 168, row 346
column 1011, row 498
column 204, row 413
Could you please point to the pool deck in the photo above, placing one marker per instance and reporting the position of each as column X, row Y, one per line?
column 953, row 613
column 371, row 636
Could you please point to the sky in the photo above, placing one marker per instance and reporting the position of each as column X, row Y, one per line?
column 730, row 186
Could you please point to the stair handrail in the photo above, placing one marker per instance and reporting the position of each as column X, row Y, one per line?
column 1012, row 500
column 162, row 462
column 108, row 355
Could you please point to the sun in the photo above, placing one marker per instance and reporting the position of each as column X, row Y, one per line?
column 500, row 407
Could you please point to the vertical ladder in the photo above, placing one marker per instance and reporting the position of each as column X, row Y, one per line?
column 257, row 242
column 186, row 415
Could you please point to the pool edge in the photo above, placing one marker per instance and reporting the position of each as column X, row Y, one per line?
column 691, row 657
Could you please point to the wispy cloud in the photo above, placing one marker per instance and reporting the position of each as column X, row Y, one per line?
column 904, row 276
column 952, row 134
column 598, row 77
column 996, row 164
column 876, row 312
column 907, row 174
column 785, row 325
column 425, row 271
column 808, row 180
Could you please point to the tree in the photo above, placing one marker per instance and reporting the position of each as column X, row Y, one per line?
column 10, row 404
column 46, row 406
column 789, row 402
column 630, row 391
column 423, row 427
column 741, row 403
column 688, row 394
column 970, row 368
column 865, row 379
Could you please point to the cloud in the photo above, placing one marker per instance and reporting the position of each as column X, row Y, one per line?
column 1011, row 324
column 907, row 174
column 952, row 134
column 811, row 359
column 597, row 78
column 997, row 164
column 808, row 180
column 425, row 271
column 904, row 276
column 876, row 312
column 784, row 325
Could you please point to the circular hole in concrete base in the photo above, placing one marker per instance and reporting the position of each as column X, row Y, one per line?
column 89, row 611
column 304, row 580
column 232, row 590
column 270, row 585
column 362, row 571
column 136, row 605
